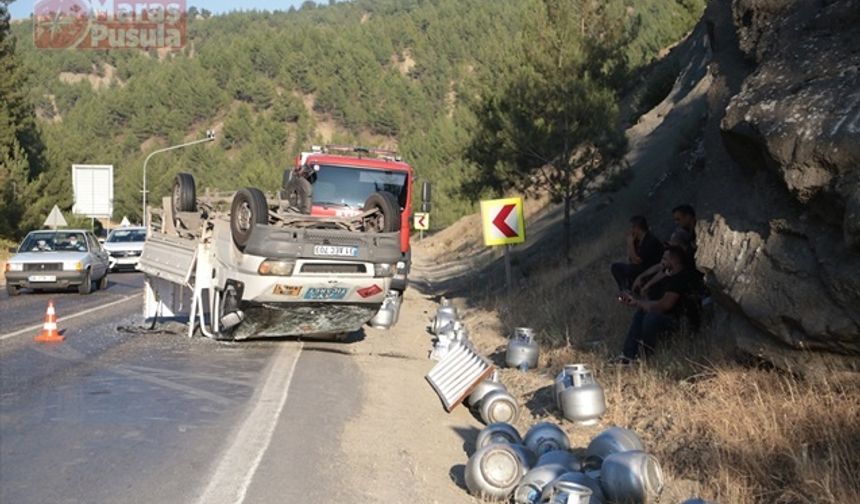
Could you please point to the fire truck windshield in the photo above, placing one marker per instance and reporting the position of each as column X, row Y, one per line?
column 351, row 186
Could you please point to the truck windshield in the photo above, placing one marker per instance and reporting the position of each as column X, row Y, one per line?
column 49, row 241
column 351, row 186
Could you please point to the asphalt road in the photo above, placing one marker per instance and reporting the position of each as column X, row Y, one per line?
column 121, row 416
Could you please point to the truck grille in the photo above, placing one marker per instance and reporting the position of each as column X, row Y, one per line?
column 346, row 268
column 43, row 266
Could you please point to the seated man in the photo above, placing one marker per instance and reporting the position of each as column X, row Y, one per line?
column 643, row 252
column 685, row 218
column 654, row 318
column 655, row 274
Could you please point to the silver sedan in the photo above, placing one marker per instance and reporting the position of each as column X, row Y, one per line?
column 50, row 259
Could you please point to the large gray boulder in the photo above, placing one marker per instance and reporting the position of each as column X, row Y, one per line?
column 798, row 113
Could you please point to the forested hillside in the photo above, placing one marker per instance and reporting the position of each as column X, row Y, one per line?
column 403, row 73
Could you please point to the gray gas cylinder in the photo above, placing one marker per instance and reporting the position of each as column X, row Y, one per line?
column 499, row 432
column 545, row 437
column 579, row 396
column 609, row 441
column 586, row 480
column 632, row 477
column 533, row 483
column 563, row 457
column 523, row 351
column 494, row 471
column 499, row 406
column 567, row 492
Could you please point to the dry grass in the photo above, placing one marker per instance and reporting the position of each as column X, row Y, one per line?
column 723, row 429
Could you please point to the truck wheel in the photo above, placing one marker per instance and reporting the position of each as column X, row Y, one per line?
column 387, row 220
column 87, row 285
column 248, row 210
column 12, row 290
column 184, row 196
column 298, row 192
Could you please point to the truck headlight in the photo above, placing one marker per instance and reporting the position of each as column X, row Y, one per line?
column 276, row 268
column 14, row 267
column 73, row 266
column 383, row 270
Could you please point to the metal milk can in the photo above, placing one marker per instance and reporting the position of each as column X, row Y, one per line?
column 578, row 395
column 523, row 350
column 631, row 476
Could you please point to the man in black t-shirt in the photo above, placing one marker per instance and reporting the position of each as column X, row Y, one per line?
column 654, row 318
column 643, row 251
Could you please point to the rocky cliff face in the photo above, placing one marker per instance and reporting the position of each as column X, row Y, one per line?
column 780, row 235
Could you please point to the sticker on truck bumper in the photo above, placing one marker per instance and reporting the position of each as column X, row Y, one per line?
column 325, row 293
column 286, row 290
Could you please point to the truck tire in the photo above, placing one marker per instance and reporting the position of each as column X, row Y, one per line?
column 298, row 192
column 184, row 196
column 388, row 218
column 87, row 285
column 13, row 290
column 248, row 210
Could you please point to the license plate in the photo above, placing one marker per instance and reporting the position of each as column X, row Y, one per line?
column 43, row 278
column 326, row 293
column 333, row 250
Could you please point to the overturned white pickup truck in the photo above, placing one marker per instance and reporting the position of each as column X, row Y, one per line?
column 324, row 256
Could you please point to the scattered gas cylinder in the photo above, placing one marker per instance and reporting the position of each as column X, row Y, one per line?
column 631, row 477
column 499, row 406
column 523, row 351
column 499, row 432
column 533, row 483
column 446, row 314
column 563, row 457
column 494, row 471
column 484, row 388
column 545, row 437
column 566, row 492
column 611, row 440
column 579, row 478
column 578, row 395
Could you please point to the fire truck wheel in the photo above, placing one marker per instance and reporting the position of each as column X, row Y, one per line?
column 184, row 196
column 248, row 210
column 387, row 220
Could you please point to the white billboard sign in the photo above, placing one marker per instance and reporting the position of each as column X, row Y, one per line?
column 93, row 187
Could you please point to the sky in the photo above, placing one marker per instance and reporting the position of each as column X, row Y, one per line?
column 23, row 8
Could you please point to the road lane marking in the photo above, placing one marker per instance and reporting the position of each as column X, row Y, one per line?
column 69, row 317
column 233, row 476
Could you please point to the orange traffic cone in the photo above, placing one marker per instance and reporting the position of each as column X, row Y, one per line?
column 50, row 334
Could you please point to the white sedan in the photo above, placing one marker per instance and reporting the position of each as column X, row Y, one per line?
column 125, row 245
column 49, row 259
